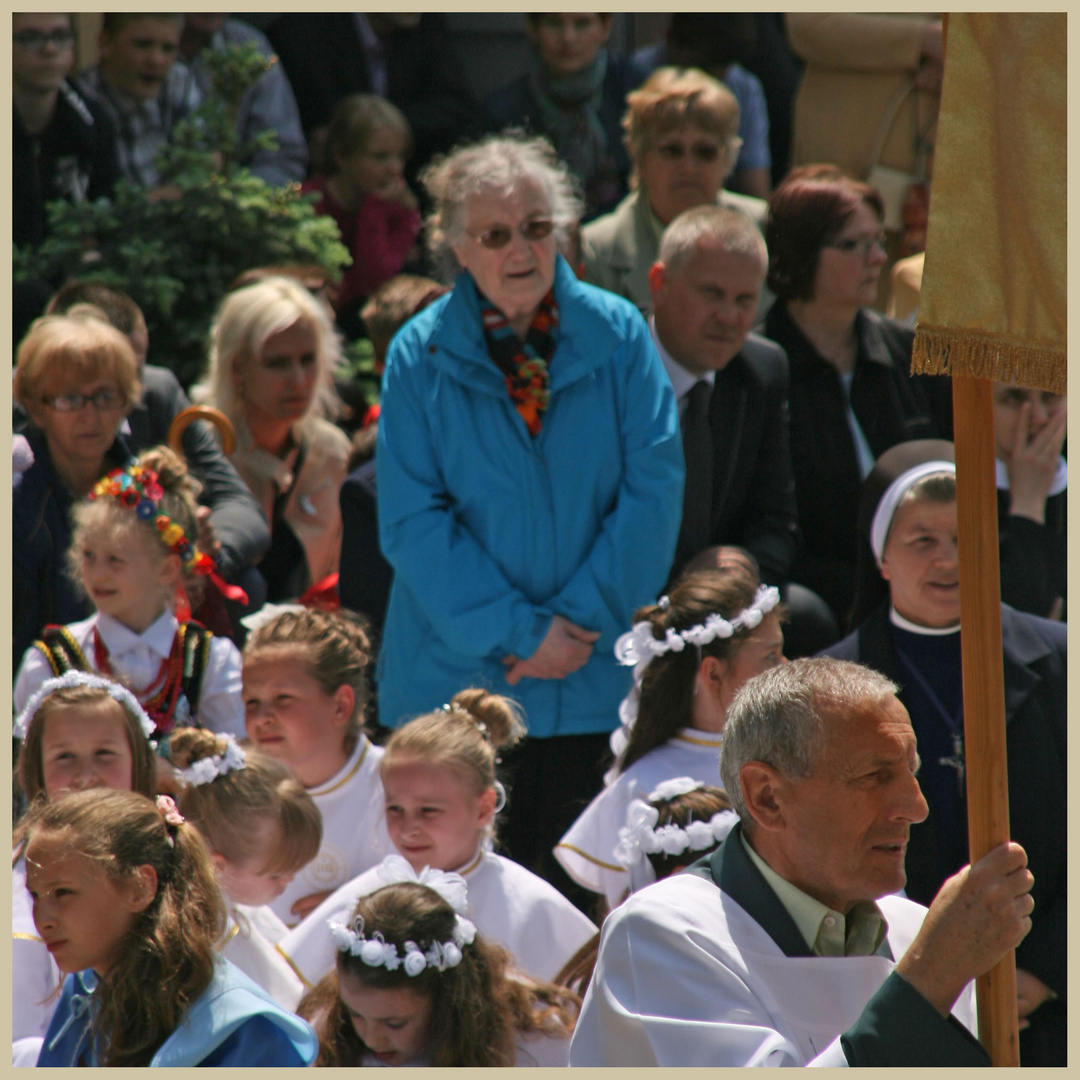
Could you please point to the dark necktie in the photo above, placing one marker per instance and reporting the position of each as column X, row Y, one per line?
column 698, row 451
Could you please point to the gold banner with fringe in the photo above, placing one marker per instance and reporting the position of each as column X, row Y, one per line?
column 994, row 298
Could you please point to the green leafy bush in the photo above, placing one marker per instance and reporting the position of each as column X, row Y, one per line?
column 176, row 256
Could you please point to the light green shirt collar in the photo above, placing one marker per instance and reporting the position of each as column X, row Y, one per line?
column 826, row 932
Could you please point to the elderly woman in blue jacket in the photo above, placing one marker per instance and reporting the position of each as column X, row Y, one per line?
column 530, row 481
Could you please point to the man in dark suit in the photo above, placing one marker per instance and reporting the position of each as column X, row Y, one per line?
column 732, row 392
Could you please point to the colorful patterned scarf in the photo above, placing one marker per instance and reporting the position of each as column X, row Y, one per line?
column 524, row 363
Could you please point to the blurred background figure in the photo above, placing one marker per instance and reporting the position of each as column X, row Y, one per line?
column 362, row 186
column 268, row 106
column 271, row 356
column 406, row 57
column 63, row 144
column 575, row 95
column 140, row 86
column 682, row 133
column 721, row 44
column 868, row 102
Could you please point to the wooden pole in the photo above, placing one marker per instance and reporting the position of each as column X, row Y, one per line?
column 984, row 685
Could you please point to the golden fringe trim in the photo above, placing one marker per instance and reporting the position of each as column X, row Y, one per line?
column 978, row 355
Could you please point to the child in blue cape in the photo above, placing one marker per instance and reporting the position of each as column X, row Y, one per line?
column 126, row 901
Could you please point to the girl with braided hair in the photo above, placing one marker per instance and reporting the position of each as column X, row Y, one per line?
column 305, row 696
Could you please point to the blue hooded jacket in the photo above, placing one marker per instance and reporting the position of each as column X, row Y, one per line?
column 491, row 531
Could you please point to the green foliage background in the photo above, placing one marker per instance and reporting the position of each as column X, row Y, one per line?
column 176, row 257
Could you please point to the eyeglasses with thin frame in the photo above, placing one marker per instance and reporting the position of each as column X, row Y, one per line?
column 104, row 400
column 37, row 39
column 860, row 246
column 498, row 236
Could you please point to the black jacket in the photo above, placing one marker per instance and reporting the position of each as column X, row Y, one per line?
column 1035, row 718
column 73, row 159
column 753, row 487
column 890, row 405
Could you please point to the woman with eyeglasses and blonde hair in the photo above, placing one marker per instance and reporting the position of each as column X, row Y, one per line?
column 682, row 130
column 530, row 477
column 77, row 378
column 851, row 397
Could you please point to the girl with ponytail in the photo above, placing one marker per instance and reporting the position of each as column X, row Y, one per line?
column 125, row 899
column 442, row 795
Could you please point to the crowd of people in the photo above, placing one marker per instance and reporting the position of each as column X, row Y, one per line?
column 594, row 696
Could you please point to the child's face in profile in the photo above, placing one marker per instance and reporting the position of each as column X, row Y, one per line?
column 433, row 815
column 291, row 718
column 392, row 1024
column 247, row 882
column 81, row 913
column 85, row 746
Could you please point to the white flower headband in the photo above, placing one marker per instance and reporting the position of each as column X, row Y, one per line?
column 208, row 769
column 641, row 837
column 83, row 678
column 376, row 951
column 638, row 647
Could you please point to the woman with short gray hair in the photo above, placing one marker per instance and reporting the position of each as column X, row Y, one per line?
column 530, row 475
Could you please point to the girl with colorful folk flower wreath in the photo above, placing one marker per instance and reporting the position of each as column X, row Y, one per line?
column 134, row 553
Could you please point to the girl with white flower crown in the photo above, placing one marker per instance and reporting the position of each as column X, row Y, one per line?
column 682, row 821
column 125, row 898
column 260, row 827
column 415, row 984
column 78, row 731
column 135, row 555
column 690, row 652
column 442, row 795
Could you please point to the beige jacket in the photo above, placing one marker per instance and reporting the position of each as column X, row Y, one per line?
column 620, row 247
column 856, row 66
column 313, row 511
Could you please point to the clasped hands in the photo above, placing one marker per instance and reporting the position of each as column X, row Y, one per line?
column 565, row 648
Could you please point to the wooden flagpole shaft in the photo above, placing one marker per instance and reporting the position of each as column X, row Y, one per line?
column 984, row 686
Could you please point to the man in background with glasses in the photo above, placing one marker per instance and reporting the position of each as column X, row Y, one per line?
column 64, row 145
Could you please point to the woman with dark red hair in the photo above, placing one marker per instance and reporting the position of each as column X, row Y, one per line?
column 852, row 396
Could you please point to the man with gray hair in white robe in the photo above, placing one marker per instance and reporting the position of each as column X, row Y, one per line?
column 789, row 945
